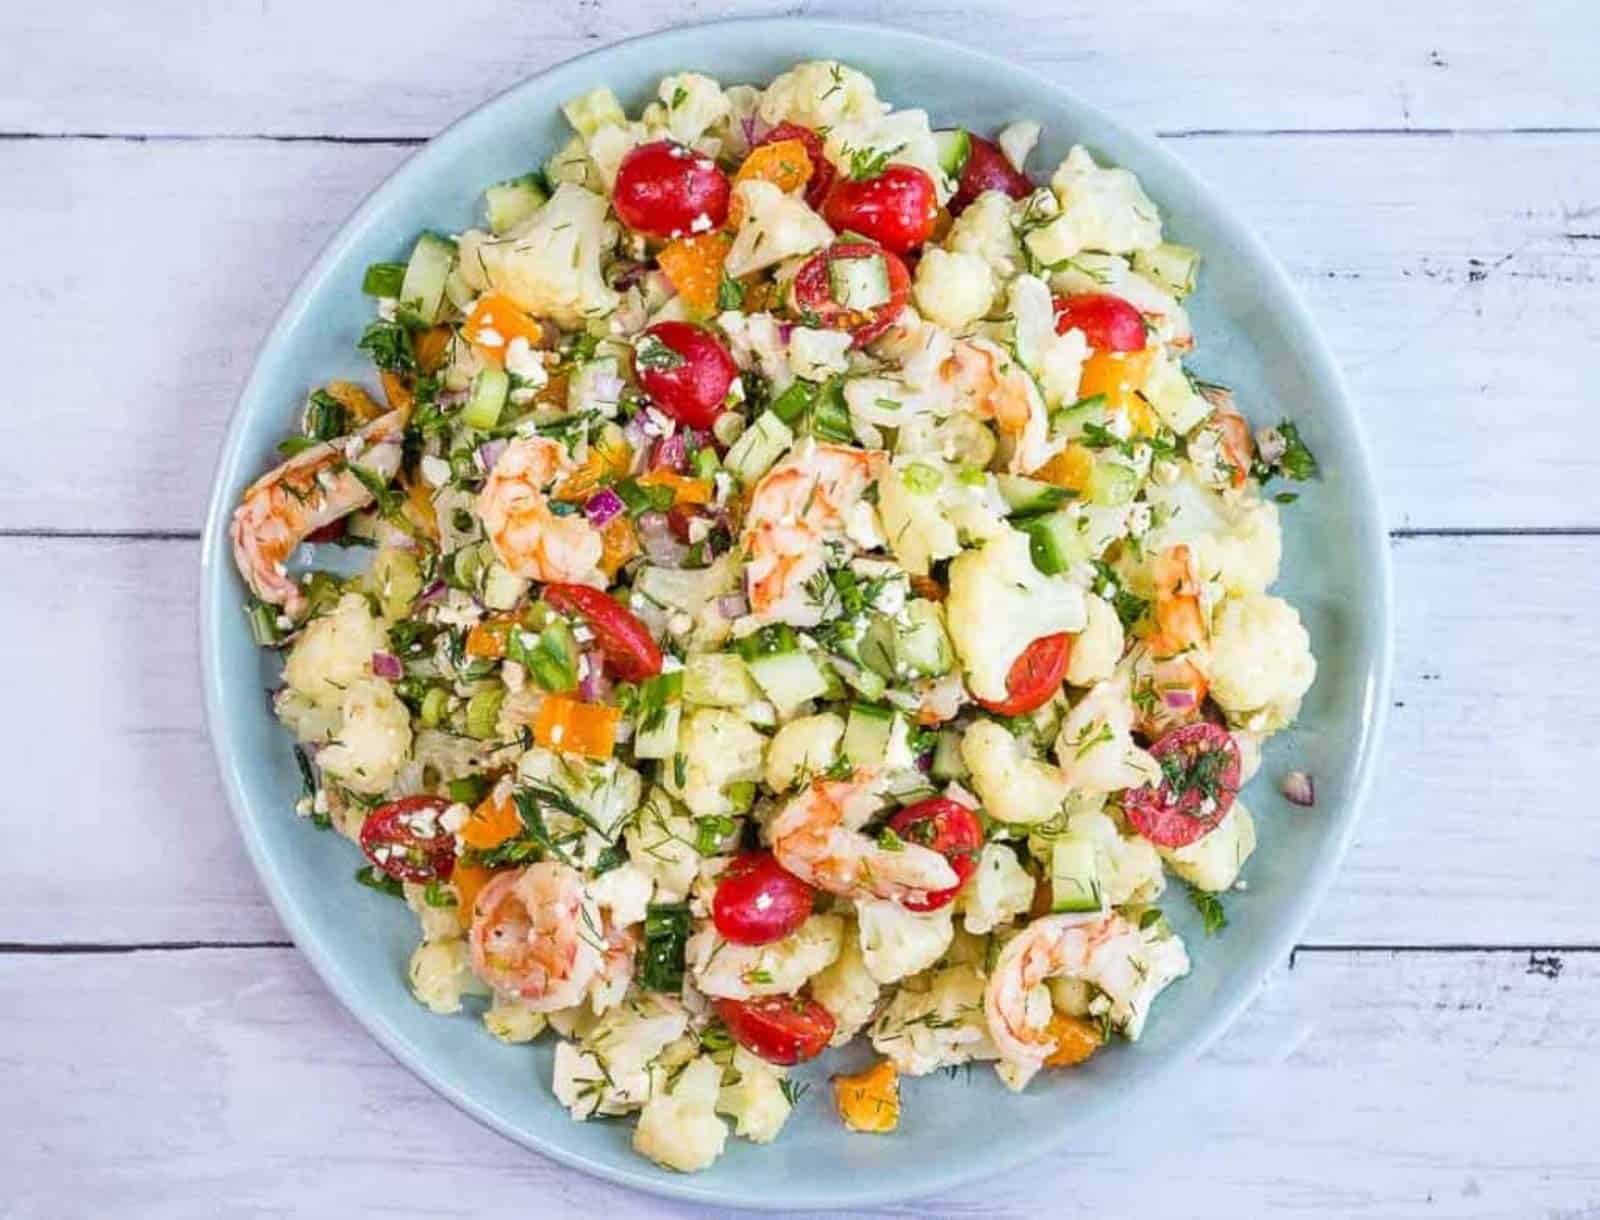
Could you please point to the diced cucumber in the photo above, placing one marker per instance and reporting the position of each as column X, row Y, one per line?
column 384, row 279
column 788, row 678
column 829, row 417
column 1172, row 266
column 488, row 398
column 1070, row 421
column 511, row 202
column 660, row 740
column 717, row 679
column 947, row 761
column 1026, row 497
column 953, row 149
column 921, row 646
column 860, row 679
column 422, row 288
column 1055, row 542
column 859, row 283
column 584, row 390
column 866, row 734
column 483, row 710
column 876, row 647
column 591, row 111
column 502, row 588
column 1112, row 483
column 792, row 404
column 762, row 444
column 1074, row 876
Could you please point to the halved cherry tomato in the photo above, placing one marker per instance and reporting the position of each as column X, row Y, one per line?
column 406, row 840
column 813, row 294
column 1108, row 322
column 781, row 1029
column 822, row 171
column 949, row 828
column 758, row 901
column 629, row 648
column 667, row 190
column 695, row 387
column 1035, row 676
column 987, row 169
column 1200, row 763
column 897, row 209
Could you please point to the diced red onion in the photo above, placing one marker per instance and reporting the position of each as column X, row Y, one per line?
column 1178, row 700
column 431, row 594
column 1271, row 445
column 785, row 329
column 489, row 453
column 925, row 761
column 603, row 506
column 387, row 665
column 1300, row 789
column 754, row 127
column 638, row 442
column 671, row 454
column 732, row 605
column 592, row 687
column 660, row 547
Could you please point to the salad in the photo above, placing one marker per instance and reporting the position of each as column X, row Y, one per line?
column 809, row 599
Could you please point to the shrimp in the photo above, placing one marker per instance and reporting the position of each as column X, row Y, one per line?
column 1233, row 432
column 1180, row 625
column 817, row 837
column 803, row 502
column 312, row 489
column 535, row 935
column 1100, row 948
column 616, row 967
column 528, row 538
column 989, row 383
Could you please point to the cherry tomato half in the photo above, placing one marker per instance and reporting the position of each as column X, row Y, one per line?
column 667, row 190
column 406, row 840
column 813, row 293
column 1200, row 764
column 1035, row 676
column 822, row 171
column 949, row 828
column 897, row 209
column 758, row 901
column 1109, row 323
column 987, row 169
column 781, row 1029
column 687, row 372
column 629, row 648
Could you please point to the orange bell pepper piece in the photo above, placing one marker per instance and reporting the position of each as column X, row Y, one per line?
column 589, row 729
column 487, row 640
column 609, row 459
column 694, row 265
column 869, row 1101
column 432, row 347
column 491, row 824
column 1179, row 623
column 1072, row 468
column 358, row 402
column 468, row 881
column 784, row 163
column 684, row 490
column 1120, row 376
column 494, row 322
column 1075, row 1040
column 618, row 544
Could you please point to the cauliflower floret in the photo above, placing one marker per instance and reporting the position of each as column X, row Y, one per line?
column 1212, row 862
column 1101, row 209
column 1127, row 865
column 608, row 791
column 1261, row 662
column 440, row 971
column 908, row 503
column 756, row 342
column 694, row 103
column 775, row 227
column 805, row 746
column 1098, row 647
column 591, row 111
column 512, row 1021
column 1234, row 543
column 1095, row 746
column 623, row 893
column 817, row 355
column 903, row 137
column 1013, row 786
column 334, row 650
column 820, row 94
column 742, row 103
column 897, row 943
column 661, row 843
column 626, row 1041
column 740, row 972
column 985, row 229
column 549, row 264
column 1017, row 141
column 1000, row 890
column 719, row 748
column 680, row 1129
column 438, row 923
column 571, row 163
column 997, row 583
column 1055, row 360
column 935, row 1021
column 847, row 989
column 1136, row 966
column 752, row 1095
column 374, row 738
column 953, row 289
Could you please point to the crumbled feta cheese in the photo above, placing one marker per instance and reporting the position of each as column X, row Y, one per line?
column 700, row 224
column 524, row 362
column 490, row 337
column 455, row 817
column 435, row 471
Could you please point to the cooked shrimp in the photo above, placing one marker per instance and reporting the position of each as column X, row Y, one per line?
column 817, row 837
column 803, row 502
column 1167, row 693
column 1102, row 949
column 991, row 384
column 1179, row 623
column 1232, row 430
column 312, row 489
column 528, row 538
column 535, row 935
column 616, row 967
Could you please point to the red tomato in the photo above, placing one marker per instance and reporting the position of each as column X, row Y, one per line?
column 1200, row 764
column 1109, row 323
column 812, row 293
column 757, row 901
column 822, row 171
column 690, row 380
column 629, row 648
column 405, row 840
column 1035, row 676
column 664, row 189
column 949, row 828
column 897, row 209
column 781, row 1029
column 988, row 170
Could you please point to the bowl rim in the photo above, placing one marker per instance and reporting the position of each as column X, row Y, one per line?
column 1274, row 943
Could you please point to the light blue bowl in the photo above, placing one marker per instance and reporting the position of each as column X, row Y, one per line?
column 1253, row 334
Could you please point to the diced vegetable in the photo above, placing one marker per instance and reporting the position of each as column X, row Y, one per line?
column 859, row 283
column 694, row 265
column 717, row 679
column 760, row 446
column 1074, row 876
column 947, row 761
column 422, row 287
column 495, row 321
column 666, row 934
column 954, row 147
column 589, row 729
column 867, row 733
column 789, row 679
column 1029, row 496
column 1055, row 542
column 491, row 824
column 483, row 710
column 869, row 1101
column 489, row 391
column 511, row 202
column 1075, row 1040
column 1174, row 267
column 384, row 279
column 1112, row 483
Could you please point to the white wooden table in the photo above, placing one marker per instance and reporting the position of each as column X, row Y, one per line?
column 1429, row 172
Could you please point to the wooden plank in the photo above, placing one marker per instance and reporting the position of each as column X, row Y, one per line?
column 1442, row 314
column 1491, row 737
column 367, row 68
column 1359, row 1084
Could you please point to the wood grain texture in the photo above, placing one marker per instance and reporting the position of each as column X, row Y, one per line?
column 371, row 68
column 1453, row 850
column 1461, row 325
column 1394, row 1085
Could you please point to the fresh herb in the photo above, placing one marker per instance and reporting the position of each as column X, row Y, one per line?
column 375, row 878
column 870, row 162
column 679, row 96
column 757, row 976
column 1212, row 915
column 711, row 832
column 1150, row 918
column 793, row 1090
column 680, row 770
column 666, row 936
column 326, row 417
column 889, row 841
column 438, row 894
column 1297, row 461
column 385, row 497
column 649, row 352
column 1286, row 497
column 1202, row 773
column 389, row 345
